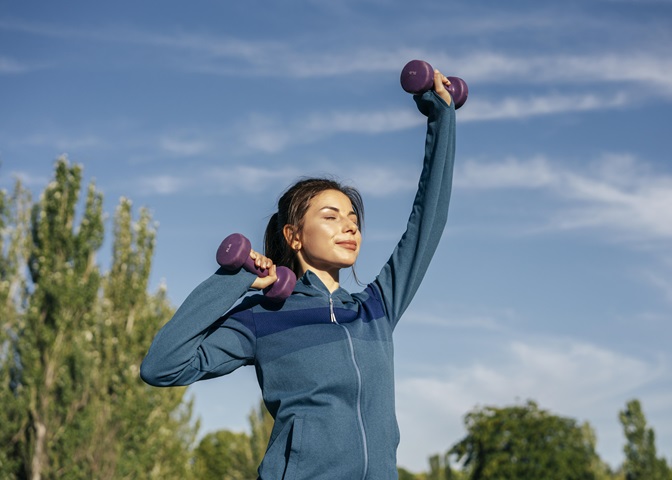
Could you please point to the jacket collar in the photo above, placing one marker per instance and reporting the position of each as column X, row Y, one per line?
column 311, row 285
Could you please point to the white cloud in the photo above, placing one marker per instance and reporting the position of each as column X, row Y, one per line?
column 490, row 321
column 164, row 184
column 661, row 282
column 9, row 66
column 645, row 64
column 182, row 147
column 27, row 179
column 569, row 378
column 375, row 180
column 249, row 178
column 524, row 107
column 69, row 143
column 616, row 192
column 508, row 173
column 272, row 134
column 619, row 193
column 217, row 181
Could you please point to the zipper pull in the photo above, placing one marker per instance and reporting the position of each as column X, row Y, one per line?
column 331, row 310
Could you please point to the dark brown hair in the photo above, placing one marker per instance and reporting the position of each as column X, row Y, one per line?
column 292, row 207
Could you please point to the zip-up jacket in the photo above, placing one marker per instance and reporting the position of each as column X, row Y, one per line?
column 324, row 361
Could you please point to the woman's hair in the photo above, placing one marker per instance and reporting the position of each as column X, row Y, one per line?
column 292, row 207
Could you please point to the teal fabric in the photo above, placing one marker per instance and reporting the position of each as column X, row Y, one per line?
column 324, row 361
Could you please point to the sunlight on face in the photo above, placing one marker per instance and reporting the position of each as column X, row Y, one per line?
column 329, row 238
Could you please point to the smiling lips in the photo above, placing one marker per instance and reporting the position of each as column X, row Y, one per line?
column 348, row 244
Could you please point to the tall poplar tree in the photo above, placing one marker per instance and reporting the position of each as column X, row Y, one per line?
column 72, row 341
column 14, row 224
column 641, row 460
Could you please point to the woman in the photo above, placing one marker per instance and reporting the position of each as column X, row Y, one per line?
column 323, row 357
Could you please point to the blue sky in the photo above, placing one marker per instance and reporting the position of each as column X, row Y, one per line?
column 553, row 280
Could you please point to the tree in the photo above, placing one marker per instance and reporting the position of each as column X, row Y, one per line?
column 641, row 461
column 235, row 455
column 226, row 455
column 161, row 443
column 524, row 442
column 14, row 224
column 72, row 341
column 261, row 426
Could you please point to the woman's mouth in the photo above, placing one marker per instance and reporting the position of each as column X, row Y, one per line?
column 348, row 244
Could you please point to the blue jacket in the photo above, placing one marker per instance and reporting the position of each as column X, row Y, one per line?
column 324, row 361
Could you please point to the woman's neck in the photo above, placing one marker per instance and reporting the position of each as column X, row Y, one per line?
column 329, row 279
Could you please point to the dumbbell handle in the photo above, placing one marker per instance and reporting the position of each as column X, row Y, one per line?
column 417, row 77
column 234, row 253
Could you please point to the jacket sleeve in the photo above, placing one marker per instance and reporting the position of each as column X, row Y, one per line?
column 400, row 278
column 200, row 341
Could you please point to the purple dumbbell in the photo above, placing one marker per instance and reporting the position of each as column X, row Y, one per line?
column 234, row 253
column 418, row 76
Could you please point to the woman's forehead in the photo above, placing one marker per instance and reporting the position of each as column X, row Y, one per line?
column 332, row 198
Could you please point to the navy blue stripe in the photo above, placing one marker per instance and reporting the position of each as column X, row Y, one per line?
column 268, row 318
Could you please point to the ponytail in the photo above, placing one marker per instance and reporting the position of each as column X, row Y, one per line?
column 276, row 247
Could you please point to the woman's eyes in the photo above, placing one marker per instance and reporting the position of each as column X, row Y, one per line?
column 332, row 217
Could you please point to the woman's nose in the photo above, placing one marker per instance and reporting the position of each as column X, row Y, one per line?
column 350, row 226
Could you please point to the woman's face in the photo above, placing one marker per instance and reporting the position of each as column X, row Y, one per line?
column 329, row 238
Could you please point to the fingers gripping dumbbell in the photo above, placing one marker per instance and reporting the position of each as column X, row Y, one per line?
column 418, row 76
column 234, row 253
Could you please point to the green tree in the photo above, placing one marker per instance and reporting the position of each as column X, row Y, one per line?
column 235, row 455
column 226, row 455
column 14, row 224
column 72, row 341
column 261, row 426
column 406, row 475
column 641, row 461
column 524, row 442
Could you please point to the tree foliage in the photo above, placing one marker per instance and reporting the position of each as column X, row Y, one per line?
column 72, row 341
column 641, row 460
column 235, row 455
column 14, row 222
column 524, row 442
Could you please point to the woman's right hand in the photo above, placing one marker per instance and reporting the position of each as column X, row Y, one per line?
column 440, row 86
column 264, row 263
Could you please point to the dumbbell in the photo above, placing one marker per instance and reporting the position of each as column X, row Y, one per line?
column 418, row 76
column 234, row 253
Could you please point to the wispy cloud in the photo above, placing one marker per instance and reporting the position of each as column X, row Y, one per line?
column 621, row 194
column 10, row 66
column 480, row 321
column 569, row 70
column 272, row 134
column 227, row 55
column 617, row 192
column 217, row 181
column 567, row 377
column 526, row 107
column 660, row 281
column 183, row 147
column 62, row 142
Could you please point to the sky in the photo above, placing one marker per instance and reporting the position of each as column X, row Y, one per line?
column 553, row 280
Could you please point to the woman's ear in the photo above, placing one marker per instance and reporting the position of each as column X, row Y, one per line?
column 291, row 234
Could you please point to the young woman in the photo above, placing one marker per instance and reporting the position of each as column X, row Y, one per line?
column 323, row 357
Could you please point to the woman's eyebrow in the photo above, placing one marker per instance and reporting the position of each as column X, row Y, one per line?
column 337, row 210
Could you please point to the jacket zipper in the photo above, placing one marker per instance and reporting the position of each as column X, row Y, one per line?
column 359, row 385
